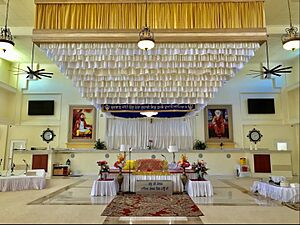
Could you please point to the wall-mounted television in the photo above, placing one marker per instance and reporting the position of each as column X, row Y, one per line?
column 40, row 107
column 261, row 106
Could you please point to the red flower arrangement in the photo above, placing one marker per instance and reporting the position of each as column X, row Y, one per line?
column 103, row 166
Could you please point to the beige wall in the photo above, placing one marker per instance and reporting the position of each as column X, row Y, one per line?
column 281, row 126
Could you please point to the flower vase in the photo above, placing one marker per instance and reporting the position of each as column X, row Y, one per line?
column 101, row 175
column 105, row 175
column 120, row 179
column 184, row 179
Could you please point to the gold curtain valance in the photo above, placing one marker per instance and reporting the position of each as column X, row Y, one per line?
column 199, row 15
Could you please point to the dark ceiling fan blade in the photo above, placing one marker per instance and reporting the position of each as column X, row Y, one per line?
column 21, row 69
column 30, row 70
column 265, row 68
column 276, row 74
column 39, row 70
column 284, row 68
column 259, row 75
column 37, row 76
column 45, row 75
column 276, row 67
column 280, row 71
column 259, row 71
column 254, row 74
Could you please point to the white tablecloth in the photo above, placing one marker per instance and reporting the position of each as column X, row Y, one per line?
column 283, row 194
column 199, row 188
column 104, row 188
column 277, row 179
column 175, row 178
column 22, row 182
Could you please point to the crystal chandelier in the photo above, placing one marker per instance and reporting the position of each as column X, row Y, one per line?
column 146, row 41
column 6, row 38
column 290, row 40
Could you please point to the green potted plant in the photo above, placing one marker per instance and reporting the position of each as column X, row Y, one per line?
column 199, row 145
column 100, row 145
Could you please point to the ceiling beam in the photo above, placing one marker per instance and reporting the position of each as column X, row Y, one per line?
column 163, row 36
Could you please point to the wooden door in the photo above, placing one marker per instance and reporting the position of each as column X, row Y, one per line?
column 40, row 162
column 262, row 163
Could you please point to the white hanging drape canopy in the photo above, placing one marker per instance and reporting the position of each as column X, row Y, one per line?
column 120, row 73
column 163, row 132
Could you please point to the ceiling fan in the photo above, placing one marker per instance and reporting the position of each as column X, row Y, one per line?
column 266, row 73
column 31, row 73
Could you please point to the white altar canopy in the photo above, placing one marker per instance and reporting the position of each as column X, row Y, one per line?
column 163, row 132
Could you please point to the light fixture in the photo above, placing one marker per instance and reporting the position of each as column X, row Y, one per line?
column 149, row 114
column 6, row 39
column 290, row 40
column 146, row 41
column 173, row 149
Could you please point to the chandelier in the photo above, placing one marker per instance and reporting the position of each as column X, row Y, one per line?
column 6, row 39
column 146, row 41
column 290, row 40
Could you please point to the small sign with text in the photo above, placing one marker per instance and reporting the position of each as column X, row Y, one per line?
column 154, row 187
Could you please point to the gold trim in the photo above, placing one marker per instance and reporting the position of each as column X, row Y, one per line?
column 161, row 36
column 135, row 1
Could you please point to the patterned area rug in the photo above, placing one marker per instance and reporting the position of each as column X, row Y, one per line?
column 151, row 205
column 294, row 206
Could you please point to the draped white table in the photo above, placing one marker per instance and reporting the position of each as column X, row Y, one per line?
column 283, row 194
column 174, row 177
column 104, row 188
column 23, row 182
column 196, row 188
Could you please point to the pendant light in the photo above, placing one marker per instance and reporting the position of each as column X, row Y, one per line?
column 6, row 38
column 146, row 41
column 290, row 40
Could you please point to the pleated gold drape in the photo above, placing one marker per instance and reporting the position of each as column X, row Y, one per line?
column 198, row 15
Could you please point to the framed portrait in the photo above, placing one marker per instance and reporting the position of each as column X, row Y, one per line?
column 82, row 124
column 218, row 123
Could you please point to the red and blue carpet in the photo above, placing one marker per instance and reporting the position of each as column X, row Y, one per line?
column 152, row 205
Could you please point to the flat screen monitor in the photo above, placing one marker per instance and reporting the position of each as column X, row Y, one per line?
column 40, row 107
column 261, row 106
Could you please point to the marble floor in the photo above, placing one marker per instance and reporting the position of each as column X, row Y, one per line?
column 68, row 200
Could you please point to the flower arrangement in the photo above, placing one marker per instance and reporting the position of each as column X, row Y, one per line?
column 183, row 162
column 200, row 168
column 104, row 167
column 120, row 163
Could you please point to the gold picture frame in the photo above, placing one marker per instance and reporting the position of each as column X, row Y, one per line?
column 82, row 123
column 218, row 123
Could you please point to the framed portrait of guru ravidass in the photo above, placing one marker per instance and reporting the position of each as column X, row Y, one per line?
column 218, row 123
column 82, row 123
